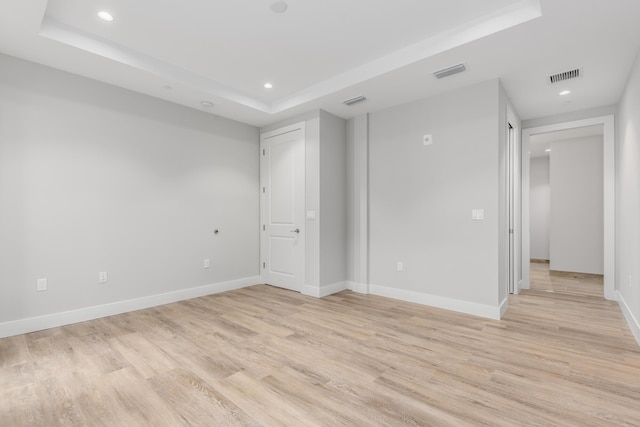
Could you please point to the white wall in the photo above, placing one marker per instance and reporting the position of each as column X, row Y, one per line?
column 421, row 198
column 606, row 110
column 576, row 226
column 358, row 203
column 333, row 200
column 97, row 178
column 628, row 201
column 540, row 207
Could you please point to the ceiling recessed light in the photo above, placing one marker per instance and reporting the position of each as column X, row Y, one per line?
column 268, row 86
column 206, row 104
column 279, row 7
column 105, row 16
column 565, row 92
column 548, row 150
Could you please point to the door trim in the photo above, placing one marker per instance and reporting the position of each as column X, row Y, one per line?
column 609, row 196
column 263, row 243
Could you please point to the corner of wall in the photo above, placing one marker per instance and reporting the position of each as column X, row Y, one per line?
column 634, row 323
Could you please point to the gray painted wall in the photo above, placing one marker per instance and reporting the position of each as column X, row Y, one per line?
column 97, row 178
column 421, row 197
column 606, row 110
column 576, row 224
column 628, row 199
column 333, row 199
column 540, row 207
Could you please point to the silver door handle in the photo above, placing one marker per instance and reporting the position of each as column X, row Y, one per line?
column 297, row 230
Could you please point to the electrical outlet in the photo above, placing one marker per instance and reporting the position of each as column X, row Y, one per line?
column 206, row 263
column 400, row 266
column 102, row 277
column 42, row 285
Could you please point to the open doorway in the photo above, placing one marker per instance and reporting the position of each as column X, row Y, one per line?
column 566, row 211
column 605, row 126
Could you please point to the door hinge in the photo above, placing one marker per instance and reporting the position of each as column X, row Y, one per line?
column 264, row 265
column 264, row 151
column 264, row 227
column 264, row 190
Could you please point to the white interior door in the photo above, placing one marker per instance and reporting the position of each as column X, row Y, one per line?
column 282, row 165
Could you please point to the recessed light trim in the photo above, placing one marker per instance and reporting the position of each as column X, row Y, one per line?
column 268, row 86
column 548, row 150
column 206, row 104
column 565, row 92
column 105, row 16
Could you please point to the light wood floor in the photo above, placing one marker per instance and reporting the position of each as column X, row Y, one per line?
column 265, row 356
column 566, row 283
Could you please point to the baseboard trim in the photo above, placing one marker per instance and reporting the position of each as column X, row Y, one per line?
column 504, row 306
column 323, row 291
column 634, row 325
column 361, row 288
column 32, row 324
column 475, row 309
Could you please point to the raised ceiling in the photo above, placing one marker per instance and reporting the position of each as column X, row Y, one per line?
column 318, row 54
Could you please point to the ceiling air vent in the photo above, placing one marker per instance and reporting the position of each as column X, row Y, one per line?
column 567, row 75
column 354, row 100
column 455, row 69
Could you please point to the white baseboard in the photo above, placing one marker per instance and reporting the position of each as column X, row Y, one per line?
column 323, row 291
column 475, row 309
column 361, row 288
column 32, row 324
column 634, row 325
column 504, row 306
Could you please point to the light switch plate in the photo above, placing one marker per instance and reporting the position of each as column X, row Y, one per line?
column 477, row 214
column 311, row 214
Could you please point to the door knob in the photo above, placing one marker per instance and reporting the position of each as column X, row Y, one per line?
column 297, row 230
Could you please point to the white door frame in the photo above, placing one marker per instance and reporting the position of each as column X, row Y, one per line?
column 609, row 195
column 514, row 203
column 263, row 179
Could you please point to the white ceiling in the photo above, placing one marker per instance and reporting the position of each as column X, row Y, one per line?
column 538, row 144
column 318, row 54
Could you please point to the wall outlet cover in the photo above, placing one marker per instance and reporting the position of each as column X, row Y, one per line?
column 427, row 139
column 41, row 285
column 102, row 277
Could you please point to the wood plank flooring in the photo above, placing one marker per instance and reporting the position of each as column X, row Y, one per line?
column 270, row 357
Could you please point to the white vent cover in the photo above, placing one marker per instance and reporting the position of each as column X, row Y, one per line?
column 354, row 100
column 566, row 75
column 455, row 69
